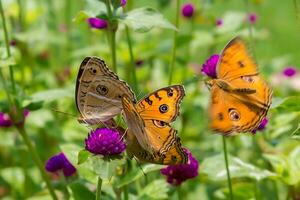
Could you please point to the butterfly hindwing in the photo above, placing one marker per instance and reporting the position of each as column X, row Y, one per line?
column 99, row 91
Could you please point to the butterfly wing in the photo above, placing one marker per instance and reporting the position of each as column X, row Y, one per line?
column 99, row 91
column 162, row 104
column 235, row 61
column 230, row 114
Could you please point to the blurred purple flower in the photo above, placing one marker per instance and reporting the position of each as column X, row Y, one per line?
column 261, row 126
column 219, row 22
column 60, row 162
column 97, row 23
column 5, row 120
column 176, row 174
column 252, row 17
column 187, row 10
column 139, row 62
column 104, row 141
column 209, row 67
column 123, row 2
column 13, row 42
column 289, row 71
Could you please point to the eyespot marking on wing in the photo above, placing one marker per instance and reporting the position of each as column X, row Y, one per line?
column 234, row 114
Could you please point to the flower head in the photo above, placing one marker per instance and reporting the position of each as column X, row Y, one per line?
column 252, row 17
column 176, row 174
column 123, row 2
column 97, row 23
column 289, row 71
column 261, row 126
column 104, row 141
column 219, row 22
column 60, row 162
column 5, row 120
column 210, row 66
column 187, row 10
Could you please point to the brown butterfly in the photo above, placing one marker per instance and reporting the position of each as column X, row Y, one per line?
column 149, row 136
column 240, row 98
column 99, row 92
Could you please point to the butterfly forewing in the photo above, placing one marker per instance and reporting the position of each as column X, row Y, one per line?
column 163, row 104
column 235, row 61
column 99, row 91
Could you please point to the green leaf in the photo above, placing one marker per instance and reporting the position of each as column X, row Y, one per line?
column 289, row 104
column 83, row 155
column 296, row 133
column 95, row 7
column 80, row 191
column 157, row 189
column 82, row 16
column 144, row 19
column 137, row 173
column 48, row 95
column 214, row 168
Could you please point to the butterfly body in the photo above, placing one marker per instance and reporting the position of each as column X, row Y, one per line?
column 150, row 138
column 240, row 98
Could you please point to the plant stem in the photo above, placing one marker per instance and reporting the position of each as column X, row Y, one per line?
column 297, row 10
column 227, row 168
column 179, row 195
column 36, row 159
column 172, row 64
column 11, row 72
column 250, row 28
column 112, row 28
column 125, row 190
column 99, row 185
column 132, row 65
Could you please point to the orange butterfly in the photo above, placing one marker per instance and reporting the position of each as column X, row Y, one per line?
column 240, row 98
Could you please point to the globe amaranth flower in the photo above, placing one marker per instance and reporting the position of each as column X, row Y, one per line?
column 105, row 141
column 261, row 126
column 219, row 22
column 123, row 2
column 252, row 18
column 97, row 23
column 187, row 10
column 289, row 71
column 5, row 120
column 58, row 163
column 177, row 174
column 210, row 66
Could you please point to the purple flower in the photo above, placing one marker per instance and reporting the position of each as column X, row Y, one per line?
column 261, row 126
column 219, row 22
column 209, row 67
column 187, row 10
column 252, row 17
column 289, row 71
column 105, row 141
column 13, row 42
column 97, row 23
column 176, row 174
column 5, row 120
column 123, row 2
column 60, row 162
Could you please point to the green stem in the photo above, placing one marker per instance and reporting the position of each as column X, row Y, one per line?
column 125, row 190
column 99, row 185
column 227, row 168
column 132, row 68
column 250, row 28
column 112, row 28
column 179, row 193
column 6, row 89
column 36, row 160
column 11, row 72
column 297, row 10
column 172, row 64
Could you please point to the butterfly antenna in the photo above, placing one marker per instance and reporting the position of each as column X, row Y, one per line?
column 64, row 113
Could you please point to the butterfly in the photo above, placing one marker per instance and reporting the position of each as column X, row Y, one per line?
column 149, row 136
column 99, row 92
column 240, row 98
